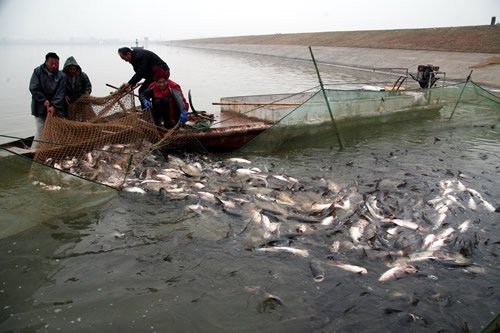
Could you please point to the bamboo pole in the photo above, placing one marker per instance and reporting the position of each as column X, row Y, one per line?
column 460, row 96
column 339, row 136
column 257, row 103
column 131, row 92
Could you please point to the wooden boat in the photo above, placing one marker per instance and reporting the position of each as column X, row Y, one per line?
column 242, row 118
column 229, row 131
column 19, row 147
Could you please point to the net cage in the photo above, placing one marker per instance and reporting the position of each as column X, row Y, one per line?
column 314, row 123
column 34, row 194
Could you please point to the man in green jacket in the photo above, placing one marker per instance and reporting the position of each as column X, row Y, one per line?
column 77, row 82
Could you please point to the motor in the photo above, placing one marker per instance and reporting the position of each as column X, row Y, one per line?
column 426, row 75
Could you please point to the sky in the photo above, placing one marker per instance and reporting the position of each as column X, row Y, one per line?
column 187, row 19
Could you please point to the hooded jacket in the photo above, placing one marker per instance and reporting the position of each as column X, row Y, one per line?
column 78, row 84
column 45, row 85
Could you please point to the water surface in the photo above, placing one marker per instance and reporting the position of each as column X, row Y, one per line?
column 146, row 263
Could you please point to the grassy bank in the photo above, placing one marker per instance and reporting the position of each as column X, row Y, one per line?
column 480, row 39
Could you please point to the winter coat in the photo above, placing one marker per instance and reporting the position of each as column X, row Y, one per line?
column 45, row 85
column 143, row 62
column 173, row 89
column 76, row 85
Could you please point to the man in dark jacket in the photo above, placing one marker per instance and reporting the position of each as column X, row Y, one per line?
column 78, row 83
column 47, row 87
column 143, row 62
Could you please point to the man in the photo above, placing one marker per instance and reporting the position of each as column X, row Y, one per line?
column 78, row 83
column 47, row 87
column 143, row 62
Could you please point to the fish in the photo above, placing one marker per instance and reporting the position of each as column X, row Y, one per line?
column 284, row 199
column 244, row 172
column 268, row 301
column 403, row 223
column 318, row 207
column 317, row 271
column 350, row 268
column 436, row 242
column 150, row 181
column 238, row 160
column 134, row 189
column 397, row 272
column 191, row 170
column 221, row 171
column 207, row 196
column 489, row 207
column 327, row 220
column 357, row 229
column 163, row 178
column 89, row 158
column 282, row 178
column 287, row 249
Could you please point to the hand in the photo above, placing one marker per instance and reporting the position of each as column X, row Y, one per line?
column 124, row 86
column 51, row 110
column 147, row 103
column 183, row 117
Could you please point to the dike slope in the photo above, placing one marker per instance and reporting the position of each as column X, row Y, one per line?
column 456, row 50
column 480, row 39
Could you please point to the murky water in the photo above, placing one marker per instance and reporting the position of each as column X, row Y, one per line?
column 149, row 263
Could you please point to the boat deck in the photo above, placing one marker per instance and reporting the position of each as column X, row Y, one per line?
column 229, row 130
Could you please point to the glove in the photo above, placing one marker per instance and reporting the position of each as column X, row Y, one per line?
column 147, row 104
column 183, row 117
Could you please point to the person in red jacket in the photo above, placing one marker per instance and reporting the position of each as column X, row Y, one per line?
column 168, row 104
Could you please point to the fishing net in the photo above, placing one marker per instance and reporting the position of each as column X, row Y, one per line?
column 307, row 120
column 34, row 194
column 107, row 139
column 100, row 133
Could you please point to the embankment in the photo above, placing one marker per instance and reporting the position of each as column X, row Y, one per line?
column 456, row 50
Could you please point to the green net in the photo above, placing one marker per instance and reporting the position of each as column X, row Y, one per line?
column 34, row 194
column 310, row 122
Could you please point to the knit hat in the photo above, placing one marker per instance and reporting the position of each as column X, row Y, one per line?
column 159, row 73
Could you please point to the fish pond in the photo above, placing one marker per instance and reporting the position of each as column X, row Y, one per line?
column 399, row 231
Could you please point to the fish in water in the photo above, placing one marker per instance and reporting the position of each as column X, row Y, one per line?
column 287, row 249
column 134, row 189
column 239, row 160
column 397, row 272
column 316, row 270
column 268, row 301
column 350, row 268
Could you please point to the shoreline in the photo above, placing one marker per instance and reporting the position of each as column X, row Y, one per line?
column 456, row 65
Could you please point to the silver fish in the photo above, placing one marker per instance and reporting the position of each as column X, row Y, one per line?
column 239, row 160
column 351, row 268
column 317, row 271
column 294, row 251
column 397, row 272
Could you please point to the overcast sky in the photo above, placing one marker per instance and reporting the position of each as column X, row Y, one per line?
column 184, row 19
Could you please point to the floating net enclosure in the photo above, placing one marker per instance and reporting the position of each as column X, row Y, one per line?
column 33, row 194
column 312, row 123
